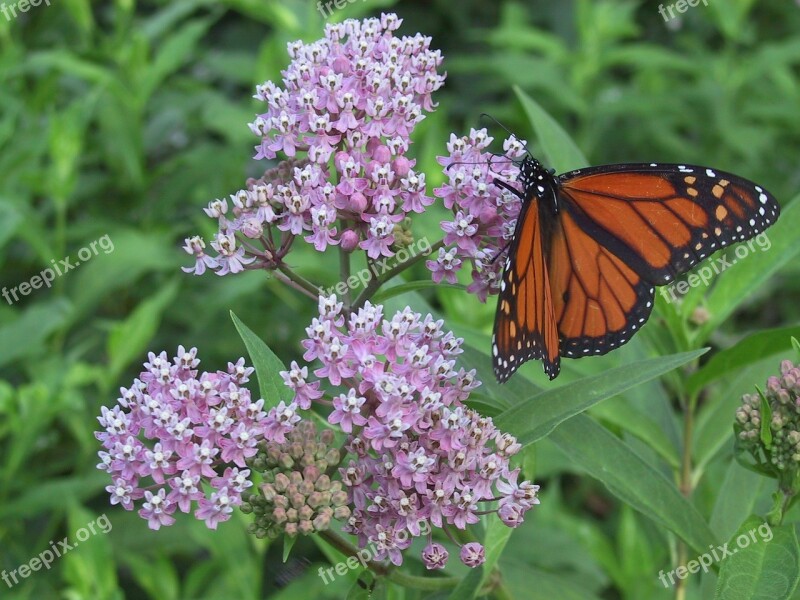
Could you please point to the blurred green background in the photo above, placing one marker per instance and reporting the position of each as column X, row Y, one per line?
column 124, row 118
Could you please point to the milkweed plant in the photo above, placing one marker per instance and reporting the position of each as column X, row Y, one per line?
column 410, row 457
column 369, row 439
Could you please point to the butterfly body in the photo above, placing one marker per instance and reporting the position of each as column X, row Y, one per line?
column 590, row 246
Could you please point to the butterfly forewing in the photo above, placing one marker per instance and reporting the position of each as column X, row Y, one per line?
column 525, row 326
column 664, row 219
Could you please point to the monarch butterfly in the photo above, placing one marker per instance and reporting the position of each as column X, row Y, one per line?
column 591, row 244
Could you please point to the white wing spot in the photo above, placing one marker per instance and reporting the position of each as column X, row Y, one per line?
column 710, row 173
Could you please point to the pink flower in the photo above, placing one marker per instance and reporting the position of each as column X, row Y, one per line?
column 344, row 112
column 434, row 556
column 177, row 428
column 484, row 214
column 417, row 453
column 472, row 554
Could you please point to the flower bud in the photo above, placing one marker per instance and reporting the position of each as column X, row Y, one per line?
column 349, row 240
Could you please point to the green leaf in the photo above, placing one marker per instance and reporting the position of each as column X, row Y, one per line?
column 497, row 535
column 754, row 347
column 534, row 418
column 25, row 336
column 288, row 544
column 10, row 220
column 468, row 587
column 128, row 339
column 631, row 479
column 560, row 151
column 737, row 496
column 620, row 413
column 765, row 563
column 177, row 48
column 267, row 365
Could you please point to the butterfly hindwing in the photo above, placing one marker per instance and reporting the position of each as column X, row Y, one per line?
column 599, row 301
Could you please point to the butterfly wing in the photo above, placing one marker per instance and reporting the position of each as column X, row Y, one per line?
column 664, row 219
column 624, row 228
column 525, row 325
column 599, row 301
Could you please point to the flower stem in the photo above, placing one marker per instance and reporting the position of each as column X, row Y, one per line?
column 344, row 275
column 388, row 571
column 298, row 282
column 685, row 484
column 376, row 282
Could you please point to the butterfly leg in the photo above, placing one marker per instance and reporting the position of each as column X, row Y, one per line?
column 507, row 187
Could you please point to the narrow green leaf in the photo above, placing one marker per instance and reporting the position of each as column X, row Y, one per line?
column 128, row 339
column 267, row 365
column 630, row 478
column 796, row 345
column 620, row 413
column 737, row 496
column 561, row 153
column 764, row 563
column 288, row 544
column 766, row 419
column 25, row 336
column 468, row 587
column 497, row 535
column 534, row 418
column 752, row 348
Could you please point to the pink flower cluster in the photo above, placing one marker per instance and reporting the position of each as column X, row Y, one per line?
column 484, row 214
column 417, row 453
column 200, row 429
column 348, row 104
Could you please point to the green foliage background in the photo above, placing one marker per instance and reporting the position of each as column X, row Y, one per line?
column 125, row 118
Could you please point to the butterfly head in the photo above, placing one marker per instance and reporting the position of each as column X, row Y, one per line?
column 537, row 182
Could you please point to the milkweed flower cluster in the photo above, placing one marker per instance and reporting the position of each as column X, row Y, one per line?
column 783, row 398
column 174, row 431
column 485, row 214
column 416, row 453
column 343, row 116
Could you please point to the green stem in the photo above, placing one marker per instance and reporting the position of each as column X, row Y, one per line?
column 391, row 573
column 430, row 584
column 300, row 282
column 344, row 275
column 376, row 282
column 686, row 481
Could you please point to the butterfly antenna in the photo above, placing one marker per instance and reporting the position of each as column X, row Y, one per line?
column 490, row 161
column 507, row 130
